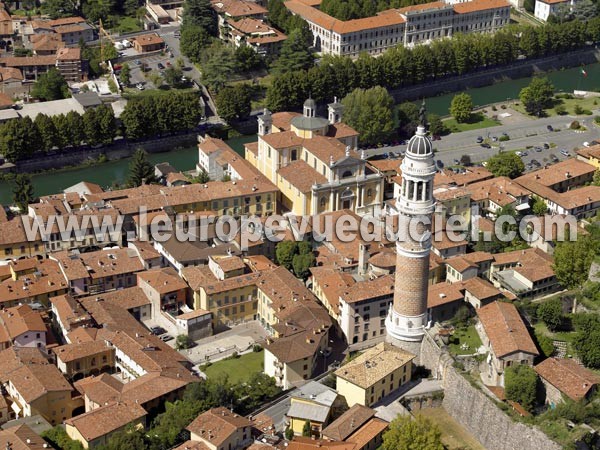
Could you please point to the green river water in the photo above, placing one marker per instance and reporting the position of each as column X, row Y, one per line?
column 186, row 158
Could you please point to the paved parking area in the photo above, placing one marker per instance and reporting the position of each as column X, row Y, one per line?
column 239, row 338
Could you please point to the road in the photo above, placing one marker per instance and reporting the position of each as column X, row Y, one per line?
column 528, row 133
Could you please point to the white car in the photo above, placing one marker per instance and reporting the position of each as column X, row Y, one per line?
column 519, row 153
column 586, row 144
column 140, row 86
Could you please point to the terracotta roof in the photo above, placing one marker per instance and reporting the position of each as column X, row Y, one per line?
column 533, row 264
column 479, row 5
column 21, row 319
column 374, row 364
column 163, row 280
column 229, row 263
column 423, row 7
column 69, row 54
column 283, row 139
column 556, row 173
column 237, row 8
column 105, row 263
column 368, row 432
column 568, row 377
column 300, row 175
column 340, row 130
column 505, row 329
column 28, row 61
column 106, row 419
column 217, row 425
column 500, row 190
column 442, row 293
column 66, row 21
column 282, row 120
column 470, row 175
column 46, row 42
column 333, row 283
column 385, row 165
column 32, row 375
column 460, row 263
column 192, row 445
column 306, row 443
column 347, row 424
column 378, row 287
column 21, row 437
column 589, row 152
column 47, row 280
column 148, row 39
column 481, row 288
column 10, row 73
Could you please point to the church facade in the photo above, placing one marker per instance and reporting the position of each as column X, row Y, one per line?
column 314, row 162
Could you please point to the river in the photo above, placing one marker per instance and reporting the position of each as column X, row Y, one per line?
column 186, row 158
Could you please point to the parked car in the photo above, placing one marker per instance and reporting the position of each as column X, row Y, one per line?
column 484, row 145
column 177, row 34
column 160, row 66
column 168, row 63
column 524, row 153
column 440, row 163
column 140, row 86
column 565, row 152
column 494, row 138
column 550, row 128
column 138, row 62
column 546, row 145
column 537, row 149
column 586, row 144
column 166, row 338
column 157, row 331
column 456, row 162
column 479, row 139
column 553, row 158
column 536, row 163
column 519, row 153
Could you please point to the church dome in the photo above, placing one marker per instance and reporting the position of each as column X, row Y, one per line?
column 420, row 144
column 310, row 103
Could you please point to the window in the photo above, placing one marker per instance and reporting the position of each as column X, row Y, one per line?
column 93, row 361
column 38, row 335
column 305, row 367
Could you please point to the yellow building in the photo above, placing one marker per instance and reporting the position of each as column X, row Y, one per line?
column 81, row 359
column 13, row 239
column 376, row 373
column 314, row 403
column 590, row 155
column 314, row 163
column 220, row 429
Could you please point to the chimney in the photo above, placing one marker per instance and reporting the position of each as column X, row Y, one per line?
column 363, row 256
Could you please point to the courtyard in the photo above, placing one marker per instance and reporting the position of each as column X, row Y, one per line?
column 238, row 368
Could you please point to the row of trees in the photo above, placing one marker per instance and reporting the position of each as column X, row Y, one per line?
column 400, row 66
column 22, row 138
column 356, row 9
column 156, row 115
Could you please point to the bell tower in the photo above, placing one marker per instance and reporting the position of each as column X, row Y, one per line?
column 407, row 318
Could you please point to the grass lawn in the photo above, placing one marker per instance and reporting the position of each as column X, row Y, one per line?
column 454, row 436
column 478, row 120
column 128, row 25
column 566, row 336
column 238, row 369
column 569, row 104
column 164, row 90
column 467, row 336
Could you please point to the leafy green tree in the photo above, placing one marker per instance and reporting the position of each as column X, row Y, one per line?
column 140, row 170
column 370, row 113
column 183, row 341
column 506, row 165
column 62, row 131
column 537, row 96
column 76, row 128
column 247, row 59
column 125, row 74
column 234, row 102
column 50, row 86
column 289, row 433
column 301, row 263
column 201, row 14
column 23, row 191
column 539, row 207
column 436, row 126
column 218, row 66
column 202, row 177
column 551, row 313
column 529, row 6
column 58, row 8
column 596, row 179
column 520, row 385
column 461, row 107
column 304, row 247
column 587, row 339
column 545, row 344
column 194, row 39
column 19, row 139
column 59, row 438
column 47, row 131
column 572, row 261
column 112, row 86
column 294, row 54
column 173, row 76
column 406, row 433
column 306, row 429
column 284, row 253
column 130, row 439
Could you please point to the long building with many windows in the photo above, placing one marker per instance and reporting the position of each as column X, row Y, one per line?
column 417, row 24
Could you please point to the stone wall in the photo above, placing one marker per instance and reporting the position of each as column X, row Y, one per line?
column 120, row 149
column 475, row 411
column 520, row 69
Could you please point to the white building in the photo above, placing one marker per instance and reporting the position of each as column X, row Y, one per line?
column 407, row 26
column 546, row 8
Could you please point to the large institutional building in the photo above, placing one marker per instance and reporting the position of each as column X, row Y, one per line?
column 314, row 163
column 407, row 26
column 407, row 318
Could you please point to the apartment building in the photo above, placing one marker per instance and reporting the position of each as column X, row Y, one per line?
column 20, row 326
column 546, row 8
column 254, row 33
column 407, row 26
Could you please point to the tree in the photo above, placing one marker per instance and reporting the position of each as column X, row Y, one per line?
column 234, row 102
column 370, row 113
column 306, row 430
column 200, row 13
column 289, row 433
column 294, row 54
column 58, row 8
column 596, row 179
column 247, row 58
column 75, row 127
column 545, row 344
column 465, row 160
column 183, row 341
column 406, row 433
column 520, row 385
column 202, row 177
column 130, row 439
column 284, row 253
column 551, row 313
column 19, row 139
column 301, row 263
column 537, row 96
column 59, row 438
column 218, row 66
column 173, row 76
column 125, row 74
column 506, row 165
column 587, row 339
column 461, row 107
column 50, row 86
column 436, row 126
column 23, row 191
column 539, row 207
column 572, row 261
column 47, row 131
column 112, row 86
column 193, row 41
column 140, row 170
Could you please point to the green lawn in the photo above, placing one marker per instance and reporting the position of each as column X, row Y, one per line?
column 237, row 369
column 569, row 103
column 128, row 24
column 164, row 90
column 478, row 120
column 566, row 336
column 467, row 336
